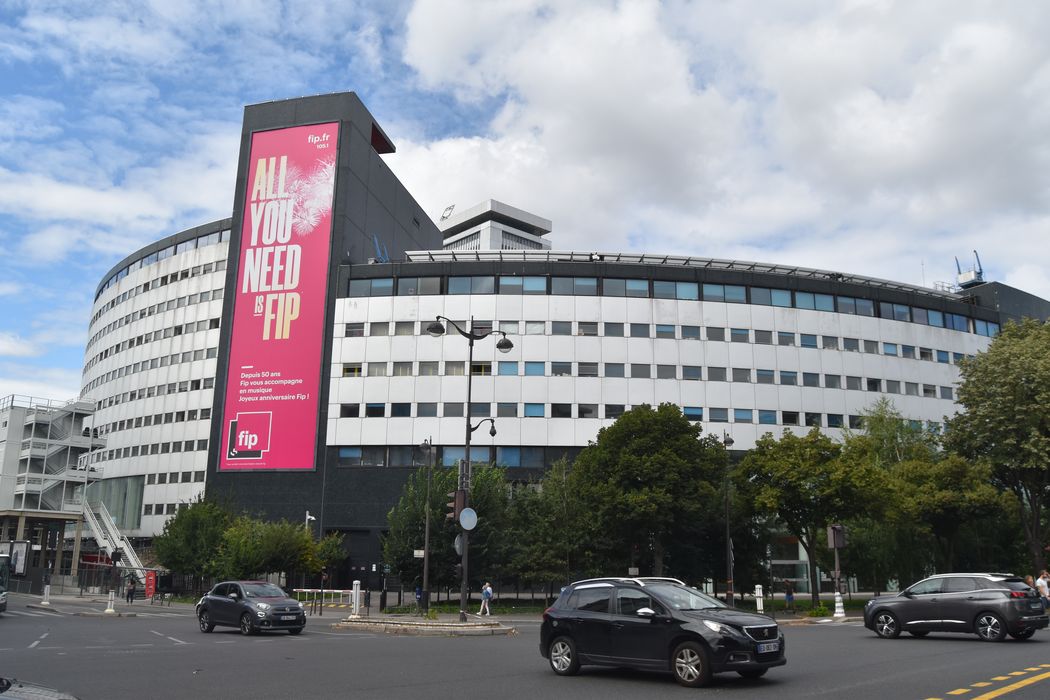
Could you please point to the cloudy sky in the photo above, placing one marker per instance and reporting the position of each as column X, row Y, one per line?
column 868, row 136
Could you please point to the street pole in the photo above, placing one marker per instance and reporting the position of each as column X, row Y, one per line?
column 464, row 477
column 426, row 532
column 727, row 442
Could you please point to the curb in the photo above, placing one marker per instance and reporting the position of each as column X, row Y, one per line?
column 50, row 608
column 426, row 629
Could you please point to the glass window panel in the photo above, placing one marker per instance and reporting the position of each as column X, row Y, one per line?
column 663, row 289
column 736, row 294
column 687, row 290
column 834, row 420
column 693, row 413
column 765, row 376
column 426, row 410
column 614, row 287
column 383, row 287
column 360, row 288
column 714, row 292
column 535, row 327
column 639, row 330
column 741, row 374
column 785, row 338
column 666, row 372
column 508, row 369
column 459, row 285
column 832, row 381
column 719, row 415
column 781, row 297
column 561, row 327
column 534, row 410
column 506, row 410
column 664, row 330
column 587, row 369
column 585, row 286
column 763, row 337
column 614, row 330
column 716, row 374
column 829, row 342
column 586, row 328
column 483, row 285
column 508, row 456
column 640, row 371
column 743, row 415
column 760, row 295
column 788, row 378
column 561, row 369
column 824, row 302
column 889, row 349
column 534, row 369
column 561, row 410
column 534, row 285
column 562, row 286
column 846, row 305
column 691, row 373
column 510, row 285
column 614, row 410
column 810, row 379
column 789, row 417
column 865, row 307
column 638, row 288
column 808, row 340
column 936, row 318
column 614, row 369
column 804, row 300
column 767, row 417
column 920, row 316
column 510, row 327
column 739, row 335
column 714, row 333
column 690, row 332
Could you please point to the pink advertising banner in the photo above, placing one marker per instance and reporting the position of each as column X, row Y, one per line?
column 274, row 372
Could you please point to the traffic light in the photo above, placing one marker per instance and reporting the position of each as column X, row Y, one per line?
column 458, row 569
column 456, row 505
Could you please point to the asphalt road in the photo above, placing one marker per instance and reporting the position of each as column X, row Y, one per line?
column 161, row 654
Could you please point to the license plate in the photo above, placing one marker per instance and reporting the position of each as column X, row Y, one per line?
column 768, row 647
column 1035, row 606
column 288, row 617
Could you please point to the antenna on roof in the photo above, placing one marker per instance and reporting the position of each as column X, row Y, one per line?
column 448, row 212
column 973, row 276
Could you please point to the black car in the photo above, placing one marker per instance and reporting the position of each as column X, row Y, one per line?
column 988, row 605
column 656, row 624
column 252, row 606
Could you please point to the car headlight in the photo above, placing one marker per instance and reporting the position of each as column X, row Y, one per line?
column 263, row 606
column 715, row 626
column 301, row 606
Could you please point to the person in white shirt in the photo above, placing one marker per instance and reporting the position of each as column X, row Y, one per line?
column 1042, row 584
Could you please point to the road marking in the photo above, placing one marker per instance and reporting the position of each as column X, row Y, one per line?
column 1017, row 673
column 959, row 691
column 1000, row 678
column 1013, row 686
column 39, row 639
column 980, row 684
column 177, row 641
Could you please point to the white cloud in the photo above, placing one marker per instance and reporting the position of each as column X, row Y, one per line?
column 12, row 345
column 44, row 383
column 9, row 288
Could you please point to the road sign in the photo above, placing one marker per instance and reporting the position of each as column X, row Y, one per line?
column 458, row 544
column 417, row 553
column 468, row 519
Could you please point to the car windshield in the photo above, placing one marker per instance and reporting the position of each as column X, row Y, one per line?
column 683, row 598
column 262, row 590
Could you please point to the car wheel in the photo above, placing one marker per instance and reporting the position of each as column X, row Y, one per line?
column 919, row 633
column 990, row 627
column 887, row 625
column 562, row 657
column 1023, row 634
column 204, row 618
column 690, row 665
column 753, row 672
column 296, row 631
column 246, row 624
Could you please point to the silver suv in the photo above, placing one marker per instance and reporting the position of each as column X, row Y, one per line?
column 988, row 605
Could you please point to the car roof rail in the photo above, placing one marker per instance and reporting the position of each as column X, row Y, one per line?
column 640, row 580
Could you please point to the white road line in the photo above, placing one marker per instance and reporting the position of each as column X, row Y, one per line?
column 39, row 639
column 177, row 641
column 159, row 634
column 33, row 645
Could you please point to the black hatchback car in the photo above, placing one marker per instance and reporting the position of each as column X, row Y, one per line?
column 988, row 605
column 252, row 606
column 656, row 624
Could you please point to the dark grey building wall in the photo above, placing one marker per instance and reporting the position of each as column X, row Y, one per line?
column 1011, row 303
column 373, row 216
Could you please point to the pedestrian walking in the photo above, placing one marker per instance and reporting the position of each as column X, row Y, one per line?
column 130, row 595
column 789, row 596
column 486, row 596
column 1042, row 584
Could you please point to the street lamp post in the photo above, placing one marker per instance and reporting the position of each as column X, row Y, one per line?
column 727, row 442
column 426, row 447
column 503, row 345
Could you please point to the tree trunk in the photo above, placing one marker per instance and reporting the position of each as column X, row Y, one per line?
column 1031, row 518
column 814, row 582
column 658, row 558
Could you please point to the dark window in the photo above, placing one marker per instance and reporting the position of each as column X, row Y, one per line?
column 587, row 410
column 741, row 374
column 639, row 330
column 614, row 330
column 640, row 371
column 591, row 599
column 400, row 410
column 715, row 333
column 789, row 417
column 716, row 374
column 375, row 410
column 666, row 372
column 614, row 410
column 613, row 369
column 764, row 337
column 813, row 420
column 506, row 410
column 561, row 327
column 349, row 410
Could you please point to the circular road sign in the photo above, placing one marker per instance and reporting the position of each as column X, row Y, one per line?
column 468, row 519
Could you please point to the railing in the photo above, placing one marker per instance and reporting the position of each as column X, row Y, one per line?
column 109, row 537
column 325, row 595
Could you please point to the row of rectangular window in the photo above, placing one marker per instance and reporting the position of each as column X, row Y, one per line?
column 169, row 332
column 154, row 363
column 152, row 309
column 163, row 254
column 645, row 371
column 670, row 331
column 660, row 289
column 159, row 508
column 156, row 390
column 191, row 414
column 154, row 448
column 529, row 457
column 174, row 477
column 582, row 410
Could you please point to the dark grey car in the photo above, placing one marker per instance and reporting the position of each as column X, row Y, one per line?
column 251, row 606
column 988, row 605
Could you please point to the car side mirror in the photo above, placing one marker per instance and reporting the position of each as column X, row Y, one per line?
column 907, row 594
column 645, row 612
column 233, row 596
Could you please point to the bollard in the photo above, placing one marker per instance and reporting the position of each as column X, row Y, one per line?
column 47, row 595
column 840, row 609
column 356, row 609
column 109, row 606
column 758, row 598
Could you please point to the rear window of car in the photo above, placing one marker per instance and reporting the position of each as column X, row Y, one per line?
column 1010, row 583
column 591, row 599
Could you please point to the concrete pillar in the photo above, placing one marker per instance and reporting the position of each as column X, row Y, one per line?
column 20, row 532
column 75, row 564
column 3, row 530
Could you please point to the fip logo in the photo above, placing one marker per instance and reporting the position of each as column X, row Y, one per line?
column 319, row 141
column 249, row 435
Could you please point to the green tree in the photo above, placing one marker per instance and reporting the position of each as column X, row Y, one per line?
column 241, row 554
column 644, row 480
column 802, row 481
column 331, row 549
column 287, row 548
column 945, row 493
column 406, row 523
column 1005, row 393
column 190, row 540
